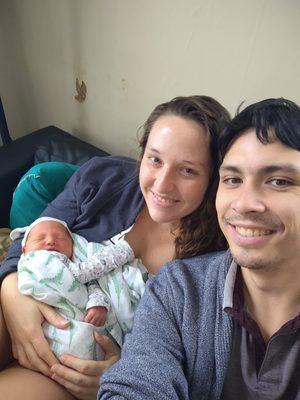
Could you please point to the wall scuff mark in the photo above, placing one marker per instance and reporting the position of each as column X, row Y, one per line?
column 81, row 91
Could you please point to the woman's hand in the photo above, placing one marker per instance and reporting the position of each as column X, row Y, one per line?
column 24, row 316
column 81, row 377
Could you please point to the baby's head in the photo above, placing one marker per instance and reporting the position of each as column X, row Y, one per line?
column 48, row 234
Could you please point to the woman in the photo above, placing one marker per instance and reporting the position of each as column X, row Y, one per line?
column 170, row 206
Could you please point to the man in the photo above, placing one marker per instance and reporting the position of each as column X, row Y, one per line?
column 226, row 325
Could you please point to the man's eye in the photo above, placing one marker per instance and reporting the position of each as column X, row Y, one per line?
column 280, row 182
column 231, row 181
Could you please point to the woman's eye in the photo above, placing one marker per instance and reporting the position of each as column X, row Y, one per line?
column 154, row 160
column 189, row 171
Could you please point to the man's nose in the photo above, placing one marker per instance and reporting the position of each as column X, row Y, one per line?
column 164, row 181
column 249, row 200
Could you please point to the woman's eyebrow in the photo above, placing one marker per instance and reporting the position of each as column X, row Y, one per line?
column 192, row 162
column 153, row 150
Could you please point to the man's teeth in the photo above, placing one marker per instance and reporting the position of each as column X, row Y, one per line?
column 252, row 232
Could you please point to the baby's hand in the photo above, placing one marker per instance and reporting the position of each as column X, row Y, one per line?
column 96, row 315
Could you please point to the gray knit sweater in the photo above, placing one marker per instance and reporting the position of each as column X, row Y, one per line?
column 181, row 341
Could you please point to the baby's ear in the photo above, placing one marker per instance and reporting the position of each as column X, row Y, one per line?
column 23, row 249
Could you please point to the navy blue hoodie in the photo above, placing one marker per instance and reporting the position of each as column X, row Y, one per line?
column 100, row 200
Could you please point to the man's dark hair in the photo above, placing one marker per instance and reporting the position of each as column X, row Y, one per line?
column 279, row 117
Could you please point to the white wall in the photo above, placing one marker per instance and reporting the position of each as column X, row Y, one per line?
column 134, row 54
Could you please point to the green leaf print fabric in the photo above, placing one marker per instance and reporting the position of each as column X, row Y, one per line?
column 45, row 276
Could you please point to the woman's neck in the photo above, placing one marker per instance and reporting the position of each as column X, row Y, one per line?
column 152, row 242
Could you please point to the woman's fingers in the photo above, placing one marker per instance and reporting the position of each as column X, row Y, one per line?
column 40, row 355
column 51, row 316
column 23, row 319
column 42, row 350
column 38, row 352
column 28, row 358
column 14, row 350
column 21, row 356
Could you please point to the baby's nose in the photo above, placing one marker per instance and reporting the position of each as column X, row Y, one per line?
column 50, row 240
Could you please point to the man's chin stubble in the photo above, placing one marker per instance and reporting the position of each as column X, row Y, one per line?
column 252, row 263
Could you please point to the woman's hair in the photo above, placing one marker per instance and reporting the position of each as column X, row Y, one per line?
column 198, row 232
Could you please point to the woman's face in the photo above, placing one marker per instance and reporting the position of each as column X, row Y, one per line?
column 175, row 168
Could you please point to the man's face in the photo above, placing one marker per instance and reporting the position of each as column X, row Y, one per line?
column 258, row 203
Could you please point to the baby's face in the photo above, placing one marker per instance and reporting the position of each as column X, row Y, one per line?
column 49, row 235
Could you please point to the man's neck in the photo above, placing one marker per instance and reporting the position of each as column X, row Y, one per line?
column 272, row 297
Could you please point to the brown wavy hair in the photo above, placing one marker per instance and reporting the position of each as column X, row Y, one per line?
column 198, row 232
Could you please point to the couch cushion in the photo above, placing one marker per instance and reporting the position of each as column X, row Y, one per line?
column 38, row 187
column 46, row 144
column 5, row 242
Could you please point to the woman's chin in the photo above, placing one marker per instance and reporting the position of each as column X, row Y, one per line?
column 163, row 217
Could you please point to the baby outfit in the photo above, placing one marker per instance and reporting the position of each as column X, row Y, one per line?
column 116, row 280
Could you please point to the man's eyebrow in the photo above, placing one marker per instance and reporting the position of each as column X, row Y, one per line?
column 268, row 169
column 287, row 168
column 229, row 168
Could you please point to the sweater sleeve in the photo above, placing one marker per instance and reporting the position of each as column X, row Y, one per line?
column 153, row 357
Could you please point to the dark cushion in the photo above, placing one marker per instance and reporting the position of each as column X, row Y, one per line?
column 47, row 144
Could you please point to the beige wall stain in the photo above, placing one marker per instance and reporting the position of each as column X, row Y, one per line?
column 81, row 91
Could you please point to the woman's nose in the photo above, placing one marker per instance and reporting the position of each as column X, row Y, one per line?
column 164, row 181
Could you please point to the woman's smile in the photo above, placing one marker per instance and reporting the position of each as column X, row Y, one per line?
column 175, row 168
column 163, row 200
